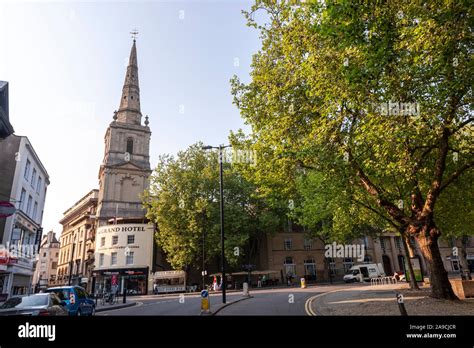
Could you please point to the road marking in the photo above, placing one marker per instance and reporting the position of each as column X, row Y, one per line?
column 137, row 304
column 308, row 305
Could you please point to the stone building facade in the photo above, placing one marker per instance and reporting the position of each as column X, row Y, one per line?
column 124, row 254
column 76, row 256
column 23, row 182
column 294, row 253
column 47, row 265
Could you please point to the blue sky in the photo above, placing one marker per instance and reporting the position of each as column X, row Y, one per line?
column 66, row 62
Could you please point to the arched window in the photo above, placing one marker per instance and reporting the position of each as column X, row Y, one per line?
column 130, row 145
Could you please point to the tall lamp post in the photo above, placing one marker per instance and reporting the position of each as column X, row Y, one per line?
column 221, row 193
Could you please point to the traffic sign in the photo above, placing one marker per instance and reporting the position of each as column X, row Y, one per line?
column 6, row 209
column 205, row 303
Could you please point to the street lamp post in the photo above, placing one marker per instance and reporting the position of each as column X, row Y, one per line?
column 221, row 193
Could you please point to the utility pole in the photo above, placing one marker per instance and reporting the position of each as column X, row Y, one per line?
column 221, row 193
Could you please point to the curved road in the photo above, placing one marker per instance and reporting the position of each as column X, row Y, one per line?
column 281, row 301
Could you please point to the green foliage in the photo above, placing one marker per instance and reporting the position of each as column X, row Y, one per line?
column 183, row 200
column 314, row 103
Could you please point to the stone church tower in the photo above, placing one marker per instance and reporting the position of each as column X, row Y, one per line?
column 123, row 175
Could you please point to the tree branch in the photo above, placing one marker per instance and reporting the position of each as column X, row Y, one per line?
column 455, row 175
column 462, row 124
column 377, row 213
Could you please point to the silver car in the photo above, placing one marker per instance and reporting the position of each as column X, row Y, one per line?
column 38, row 305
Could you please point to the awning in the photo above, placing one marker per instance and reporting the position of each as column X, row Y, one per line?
column 256, row 272
column 245, row 273
column 169, row 274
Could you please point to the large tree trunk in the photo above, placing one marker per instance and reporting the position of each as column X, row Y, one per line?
column 409, row 253
column 428, row 240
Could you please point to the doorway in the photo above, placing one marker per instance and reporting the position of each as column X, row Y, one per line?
column 387, row 265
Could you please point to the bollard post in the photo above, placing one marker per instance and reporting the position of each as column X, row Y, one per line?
column 205, row 303
column 303, row 283
column 124, row 296
column 245, row 290
column 401, row 305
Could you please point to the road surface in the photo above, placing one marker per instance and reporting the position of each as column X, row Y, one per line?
column 281, row 301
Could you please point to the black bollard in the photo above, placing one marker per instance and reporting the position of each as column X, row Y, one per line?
column 124, row 296
column 401, row 305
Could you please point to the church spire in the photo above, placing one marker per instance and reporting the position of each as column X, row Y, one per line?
column 129, row 111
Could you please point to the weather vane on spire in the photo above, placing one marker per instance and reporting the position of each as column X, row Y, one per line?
column 134, row 33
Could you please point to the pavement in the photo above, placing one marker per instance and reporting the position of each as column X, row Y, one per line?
column 352, row 300
column 381, row 300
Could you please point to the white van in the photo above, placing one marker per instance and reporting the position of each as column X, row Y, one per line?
column 360, row 273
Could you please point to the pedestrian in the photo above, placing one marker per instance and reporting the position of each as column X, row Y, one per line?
column 264, row 280
column 214, row 284
column 259, row 282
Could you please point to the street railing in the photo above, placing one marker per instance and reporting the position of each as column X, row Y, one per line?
column 383, row 281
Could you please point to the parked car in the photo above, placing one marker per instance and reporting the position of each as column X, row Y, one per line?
column 77, row 300
column 37, row 304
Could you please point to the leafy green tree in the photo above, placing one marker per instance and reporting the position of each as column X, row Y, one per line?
column 375, row 95
column 183, row 200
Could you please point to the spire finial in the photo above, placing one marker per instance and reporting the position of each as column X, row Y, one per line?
column 134, row 34
column 115, row 115
column 146, row 121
